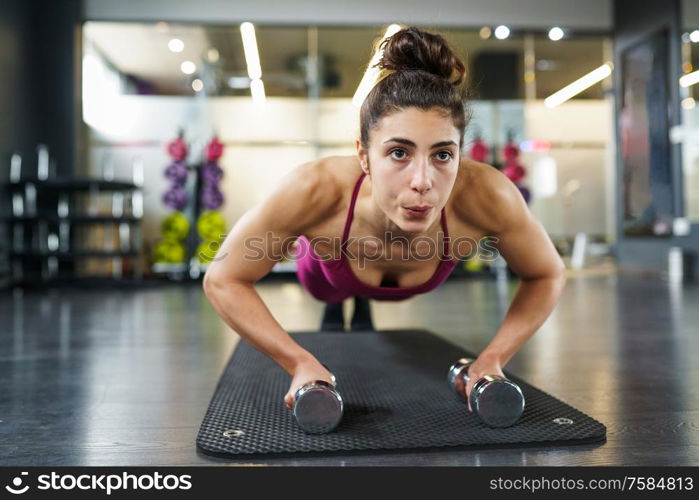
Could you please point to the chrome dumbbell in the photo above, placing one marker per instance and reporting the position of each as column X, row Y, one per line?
column 317, row 406
column 498, row 402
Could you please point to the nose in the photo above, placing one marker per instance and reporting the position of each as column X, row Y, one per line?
column 420, row 180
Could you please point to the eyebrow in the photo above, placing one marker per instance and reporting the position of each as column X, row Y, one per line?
column 408, row 142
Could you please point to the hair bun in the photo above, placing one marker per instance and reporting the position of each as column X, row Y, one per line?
column 414, row 49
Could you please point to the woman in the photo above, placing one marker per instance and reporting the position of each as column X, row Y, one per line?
column 360, row 219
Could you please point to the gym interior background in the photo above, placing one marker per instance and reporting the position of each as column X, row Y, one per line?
column 116, row 115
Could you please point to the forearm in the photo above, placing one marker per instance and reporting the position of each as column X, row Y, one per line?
column 243, row 310
column 531, row 305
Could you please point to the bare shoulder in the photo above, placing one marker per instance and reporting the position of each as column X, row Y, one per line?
column 333, row 178
column 485, row 198
column 318, row 178
column 344, row 170
column 306, row 195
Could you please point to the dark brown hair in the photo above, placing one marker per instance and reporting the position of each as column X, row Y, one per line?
column 417, row 69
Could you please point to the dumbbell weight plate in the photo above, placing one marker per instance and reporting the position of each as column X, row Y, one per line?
column 175, row 226
column 497, row 401
column 211, row 225
column 168, row 251
column 206, row 251
column 317, row 407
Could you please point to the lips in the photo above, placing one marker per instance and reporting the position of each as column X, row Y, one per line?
column 417, row 210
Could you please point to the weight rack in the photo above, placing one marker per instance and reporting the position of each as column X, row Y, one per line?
column 51, row 220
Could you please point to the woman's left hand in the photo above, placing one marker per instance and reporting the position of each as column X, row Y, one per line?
column 482, row 366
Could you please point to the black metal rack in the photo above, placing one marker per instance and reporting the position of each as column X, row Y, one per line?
column 53, row 222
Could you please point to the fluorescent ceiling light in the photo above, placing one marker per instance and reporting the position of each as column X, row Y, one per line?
column 257, row 89
column 252, row 56
column 371, row 73
column 578, row 86
column 689, row 79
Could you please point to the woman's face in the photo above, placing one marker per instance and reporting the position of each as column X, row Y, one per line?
column 412, row 161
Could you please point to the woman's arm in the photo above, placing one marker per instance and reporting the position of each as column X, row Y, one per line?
column 524, row 244
column 304, row 197
column 529, row 252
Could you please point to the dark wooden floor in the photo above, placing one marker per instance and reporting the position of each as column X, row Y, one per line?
column 124, row 377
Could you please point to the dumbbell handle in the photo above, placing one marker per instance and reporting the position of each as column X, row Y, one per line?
column 458, row 377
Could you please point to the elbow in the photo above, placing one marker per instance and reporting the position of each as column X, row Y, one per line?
column 214, row 284
column 561, row 277
column 555, row 277
column 210, row 284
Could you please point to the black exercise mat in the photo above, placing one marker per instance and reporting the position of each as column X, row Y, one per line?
column 394, row 387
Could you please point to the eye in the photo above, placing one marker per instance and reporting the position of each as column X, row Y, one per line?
column 448, row 157
column 397, row 150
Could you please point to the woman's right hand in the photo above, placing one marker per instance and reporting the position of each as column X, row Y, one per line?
column 306, row 371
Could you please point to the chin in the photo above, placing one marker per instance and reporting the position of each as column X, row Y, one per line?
column 414, row 226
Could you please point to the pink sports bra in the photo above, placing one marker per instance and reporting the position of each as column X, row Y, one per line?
column 340, row 275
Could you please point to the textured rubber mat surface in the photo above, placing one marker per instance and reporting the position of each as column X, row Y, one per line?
column 394, row 386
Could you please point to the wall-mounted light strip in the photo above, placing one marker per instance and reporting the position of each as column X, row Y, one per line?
column 257, row 89
column 689, row 79
column 252, row 60
column 371, row 73
column 578, row 85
